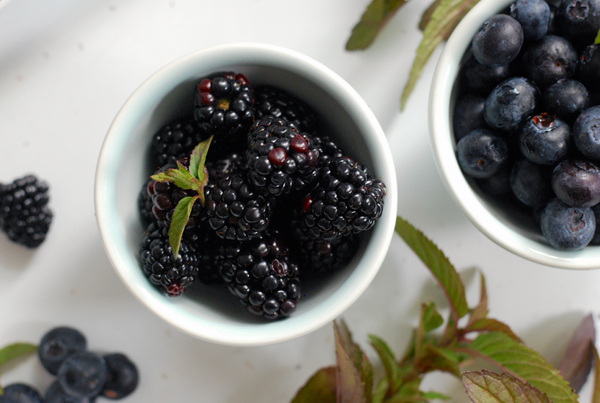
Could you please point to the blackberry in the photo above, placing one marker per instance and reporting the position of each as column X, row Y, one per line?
column 24, row 213
column 223, row 104
column 321, row 258
column 276, row 103
column 176, row 140
column 206, row 243
column 145, row 204
column 280, row 158
column 261, row 274
column 327, row 149
column 223, row 167
column 346, row 200
column 169, row 274
column 235, row 210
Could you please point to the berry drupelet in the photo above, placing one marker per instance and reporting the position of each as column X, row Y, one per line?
column 176, row 140
column 24, row 213
column 168, row 273
column 322, row 258
column 276, row 103
column 280, row 158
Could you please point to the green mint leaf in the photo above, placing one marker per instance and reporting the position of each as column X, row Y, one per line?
column 354, row 377
column 438, row 264
column 14, row 352
column 597, row 40
column 576, row 362
column 444, row 19
column 435, row 395
column 180, row 218
column 198, row 159
column 320, row 388
column 489, row 387
column 441, row 359
column 596, row 389
column 380, row 391
column 181, row 178
column 426, row 17
column 392, row 369
column 524, row 363
column 492, row 325
column 481, row 310
column 430, row 318
column 372, row 21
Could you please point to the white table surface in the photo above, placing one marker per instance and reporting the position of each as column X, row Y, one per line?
column 67, row 66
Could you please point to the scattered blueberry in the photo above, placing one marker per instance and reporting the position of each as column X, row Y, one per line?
column 544, row 139
column 566, row 227
column 596, row 238
column 481, row 153
column 57, row 344
column 20, row 393
column 533, row 15
column 586, row 132
column 510, row 103
column 56, row 394
column 577, row 183
column 83, row 374
column 122, row 376
column 498, row 40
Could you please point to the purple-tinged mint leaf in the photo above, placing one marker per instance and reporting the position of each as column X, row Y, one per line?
column 596, row 389
column 492, row 325
column 390, row 364
column 354, row 377
column 481, row 310
column 576, row 362
column 320, row 388
column 180, row 218
column 489, row 387
column 374, row 18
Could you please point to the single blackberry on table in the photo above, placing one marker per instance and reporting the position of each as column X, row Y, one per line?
column 176, row 140
column 321, row 257
column 276, row 103
column 169, row 274
column 280, row 158
column 235, row 210
column 261, row 274
column 24, row 213
column 346, row 200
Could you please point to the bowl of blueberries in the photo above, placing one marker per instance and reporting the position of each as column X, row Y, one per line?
column 246, row 194
column 514, row 120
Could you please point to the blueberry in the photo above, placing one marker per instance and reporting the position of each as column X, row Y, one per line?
column 497, row 184
column 588, row 69
column 548, row 60
column 566, row 98
column 20, row 393
column 481, row 153
column 468, row 115
column 83, row 374
column 533, row 15
column 481, row 78
column 586, row 133
column 577, row 183
column 566, row 227
column 122, row 377
column 544, row 139
column 580, row 19
column 596, row 238
column 56, row 394
column 510, row 103
column 57, row 344
column 498, row 41
column 530, row 183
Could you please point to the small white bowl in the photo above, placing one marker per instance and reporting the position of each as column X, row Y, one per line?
column 122, row 171
column 513, row 231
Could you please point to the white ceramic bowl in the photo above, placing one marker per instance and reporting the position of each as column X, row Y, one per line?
column 121, row 173
column 515, row 232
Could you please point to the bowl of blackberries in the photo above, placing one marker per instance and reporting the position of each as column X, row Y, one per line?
column 515, row 126
column 246, row 194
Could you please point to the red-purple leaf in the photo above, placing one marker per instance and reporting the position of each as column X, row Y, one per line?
column 596, row 391
column 489, row 387
column 320, row 388
column 492, row 325
column 354, row 377
column 576, row 362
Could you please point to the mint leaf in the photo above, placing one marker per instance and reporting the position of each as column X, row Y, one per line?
column 392, row 370
column 180, row 177
column 354, row 377
column 430, row 318
column 380, row 391
column 492, row 325
column 489, row 387
column 441, row 359
column 597, row 40
column 438, row 264
column 15, row 351
column 179, row 220
column 198, row 160
column 523, row 363
column 444, row 19
column 435, row 395
column 426, row 17
column 481, row 310
column 576, row 362
column 372, row 21
column 596, row 390
column 320, row 388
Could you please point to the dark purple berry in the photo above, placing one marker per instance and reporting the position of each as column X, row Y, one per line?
column 566, row 98
column 480, row 78
column 498, row 41
column 510, row 103
column 468, row 115
column 533, row 15
column 579, row 19
column 122, row 377
column 548, row 60
column 586, row 133
column 566, row 227
column 577, row 183
column 481, row 153
column 530, row 183
column 544, row 139
column 58, row 344
column 588, row 69
column 83, row 374
column 20, row 393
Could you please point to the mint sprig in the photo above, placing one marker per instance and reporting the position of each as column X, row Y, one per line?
column 15, row 352
column 193, row 178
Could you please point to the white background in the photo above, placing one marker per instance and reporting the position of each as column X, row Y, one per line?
column 67, row 66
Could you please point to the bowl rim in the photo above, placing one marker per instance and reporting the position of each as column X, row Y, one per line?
column 440, row 129
column 271, row 332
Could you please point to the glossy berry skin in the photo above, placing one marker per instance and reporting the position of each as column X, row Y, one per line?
column 566, row 98
column 566, row 227
column 588, row 69
column 468, row 115
column 533, row 15
column 586, row 133
column 83, row 374
column 122, row 379
column 176, row 140
column 498, row 41
column 276, row 103
column 530, row 183
column 56, row 394
column 58, row 344
column 20, row 393
column 510, row 103
column 321, row 258
column 481, row 153
column 548, row 60
column 580, row 19
column 497, row 184
column 481, row 79
column 596, row 238
column 577, row 183
column 544, row 139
